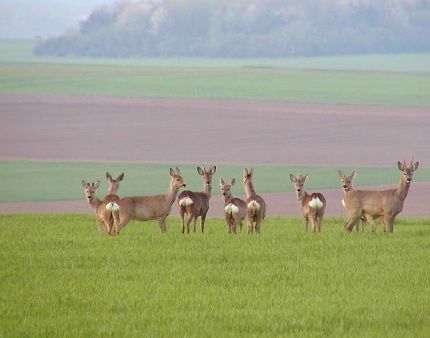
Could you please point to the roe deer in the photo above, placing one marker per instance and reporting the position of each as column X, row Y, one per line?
column 145, row 208
column 255, row 203
column 196, row 204
column 106, row 210
column 386, row 204
column 234, row 208
column 313, row 205
column 346, row 181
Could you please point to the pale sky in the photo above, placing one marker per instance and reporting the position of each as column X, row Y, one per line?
column 46, row 18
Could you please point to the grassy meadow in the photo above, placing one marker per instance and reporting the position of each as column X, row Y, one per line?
column 26, row 181
column 60, row 278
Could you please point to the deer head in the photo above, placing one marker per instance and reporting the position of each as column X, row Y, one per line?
column 90, row 189
column 247, row 175
column 407, row 171
column 346, row 180
column 206, row 175
column 298, row 184
column 226, row 188
column 113, row 183
column 177, row 180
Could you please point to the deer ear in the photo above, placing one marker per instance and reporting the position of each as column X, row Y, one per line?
column 233, row 181
column 172, row 173
column 341, row 174
column 415, row 166
column 304, row 178
column 353, row 174
column 108, row 176
column 96, row 184
column 200, row 171
column 251, row 171
column 120, row 177
column 293, row 178
column 221, row 181
column 401, row 166
column 84, row 184
column 212, row 169
column 178, row 172
column 245, row 172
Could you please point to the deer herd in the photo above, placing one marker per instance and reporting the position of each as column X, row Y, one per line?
column 113, row 213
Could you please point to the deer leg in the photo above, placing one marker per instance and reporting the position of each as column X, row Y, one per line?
column 306, row 223
column 182, row 214
column 190, row 218
column 162, row 223
column 202, row 222
column 389, row 223
column 352, row 220
column 194, row 223
column 121, row 225
column 371, row 220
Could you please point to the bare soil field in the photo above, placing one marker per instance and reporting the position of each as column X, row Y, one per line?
column 100, row 129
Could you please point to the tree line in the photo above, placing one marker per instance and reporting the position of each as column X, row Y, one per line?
column 246, row 28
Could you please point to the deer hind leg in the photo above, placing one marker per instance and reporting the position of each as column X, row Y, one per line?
column 194, row 223
column 182, row 215
column 119, row 226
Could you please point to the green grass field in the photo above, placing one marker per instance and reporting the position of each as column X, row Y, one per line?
column 291, row 85
column 26, row 181
column 60, row 278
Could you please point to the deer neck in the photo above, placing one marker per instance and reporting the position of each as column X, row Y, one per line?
column 228, row 199
column 403, row 188
column 112, row 191
column 94, row 202
column 207, row 189
column 302, row 196
column 171, row 194
column 249, row 189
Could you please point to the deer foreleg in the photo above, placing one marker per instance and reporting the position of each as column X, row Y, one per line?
column 162, row 223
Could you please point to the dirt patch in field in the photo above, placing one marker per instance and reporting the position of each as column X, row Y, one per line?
column 58, row 128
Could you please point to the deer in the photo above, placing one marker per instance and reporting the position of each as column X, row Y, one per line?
column 235, row 209
column 385, row 204
column 196, row 204
column 313, row 205
column 255, row 203
column 106, row 210
column 146, row 208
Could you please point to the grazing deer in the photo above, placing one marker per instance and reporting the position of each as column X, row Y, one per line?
column 146, row 208
column 386, row 204
column 196, row 204
column 255, row 203
column 106, row 210
column 235, row 209
column 313, row 205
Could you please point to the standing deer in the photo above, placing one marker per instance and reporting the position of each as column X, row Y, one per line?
column 106, row 210
column 346, row 181
column 386, row 204
column 313, row 205
column 146, row 208
column 255, row 203
column 235, row 209
column 196, row 204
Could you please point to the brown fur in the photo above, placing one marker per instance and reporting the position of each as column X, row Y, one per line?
column 233, row 219
column 145, row 208
column 386, row 204
column 200, row 205
column 315, row 215
column 254, row 217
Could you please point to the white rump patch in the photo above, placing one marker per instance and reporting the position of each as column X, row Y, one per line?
column 316, row 203
column 253, row 205
column 186, row 201
column 231, row 209
column 343, row 203
column 112, row 206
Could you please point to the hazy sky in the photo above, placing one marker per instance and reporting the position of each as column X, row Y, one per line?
column 29, row 18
